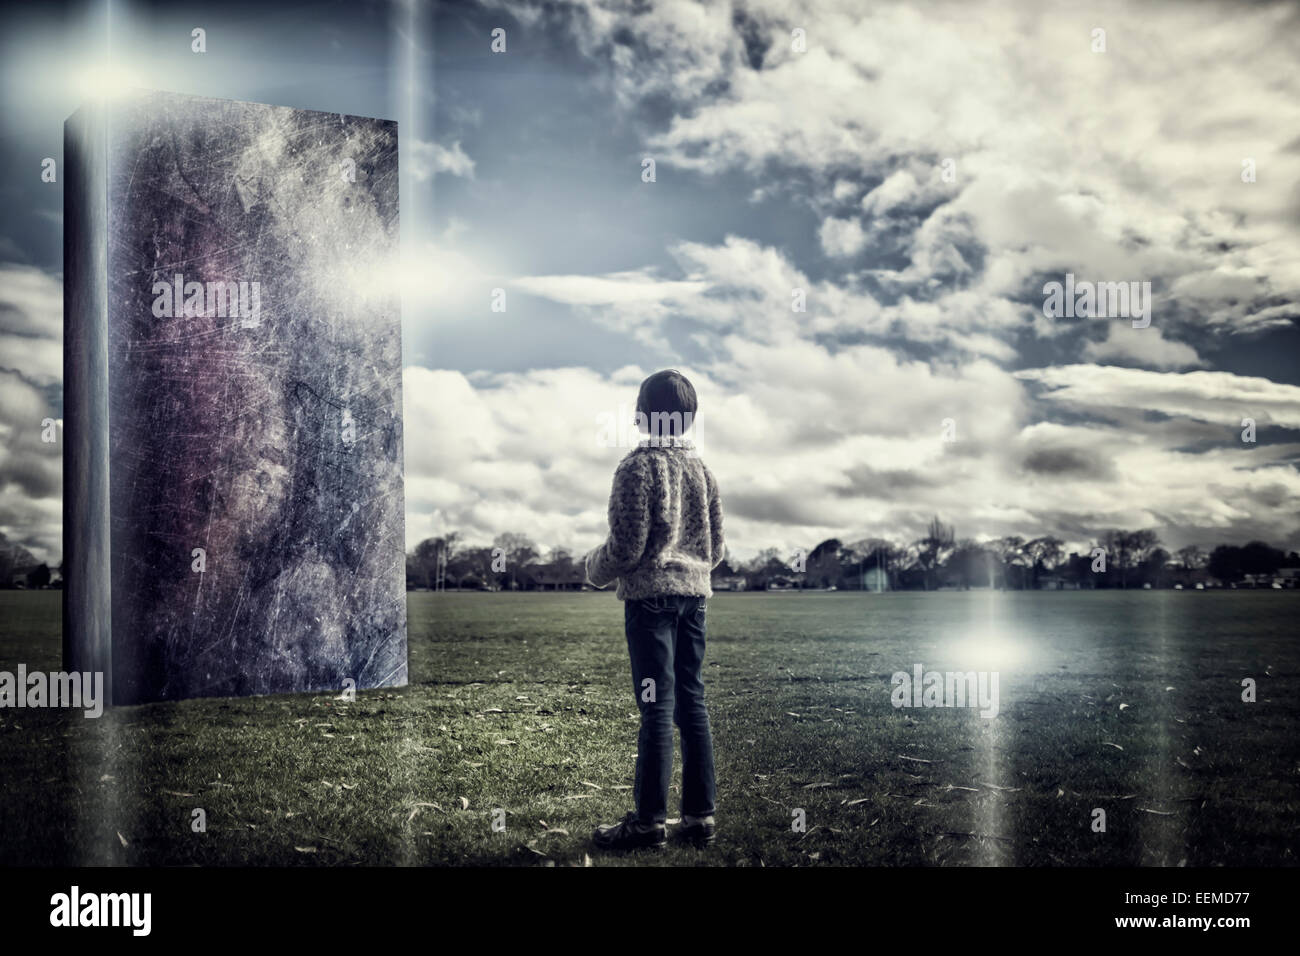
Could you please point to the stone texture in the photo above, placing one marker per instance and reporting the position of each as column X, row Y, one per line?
column 271, row 438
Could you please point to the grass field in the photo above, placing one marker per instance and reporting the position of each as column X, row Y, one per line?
column 1125, row 701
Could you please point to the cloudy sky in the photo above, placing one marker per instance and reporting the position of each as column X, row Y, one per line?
column 796, row 146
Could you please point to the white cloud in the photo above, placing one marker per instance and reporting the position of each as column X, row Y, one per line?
column 1218, row 397
column 428, row 159
column 1146, row 346
column 1064, row 158
column 841, row 237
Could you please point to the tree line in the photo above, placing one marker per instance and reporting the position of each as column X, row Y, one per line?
column 1117, row 558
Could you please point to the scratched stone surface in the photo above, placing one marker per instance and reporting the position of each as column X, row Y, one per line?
column 269, row 437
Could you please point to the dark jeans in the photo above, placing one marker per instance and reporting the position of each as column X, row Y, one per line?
column 665, row 639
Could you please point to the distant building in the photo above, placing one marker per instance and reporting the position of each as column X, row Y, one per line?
column 559, row 579
column 1055, row 582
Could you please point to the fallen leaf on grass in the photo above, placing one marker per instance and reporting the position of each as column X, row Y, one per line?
column 420, row 806
column 1107, row 743
column 594, row 786
column 814, row 786
column 578, row 796
column 854, row 803
column 122, row 838
column 177, row 793
column 1163, row 813
column 915, row 759
column 305, row 849
column 464, row 804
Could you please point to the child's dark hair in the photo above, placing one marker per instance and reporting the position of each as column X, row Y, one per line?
column 667, row 402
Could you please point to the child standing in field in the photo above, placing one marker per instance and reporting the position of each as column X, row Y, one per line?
column 665, row 539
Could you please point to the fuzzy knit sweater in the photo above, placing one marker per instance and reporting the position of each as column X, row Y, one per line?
column 665, row 525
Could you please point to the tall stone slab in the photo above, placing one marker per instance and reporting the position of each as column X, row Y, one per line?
column 233, row 500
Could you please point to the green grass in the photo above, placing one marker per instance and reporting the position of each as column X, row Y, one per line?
column 524, row 703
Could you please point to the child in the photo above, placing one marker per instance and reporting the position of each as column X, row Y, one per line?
column 665, row 539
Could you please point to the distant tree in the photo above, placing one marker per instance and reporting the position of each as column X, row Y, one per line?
column 1077, row 569
column 823, row 567
column 764, row 568
column 1225, row 563
column 972, row 565
column 429, row 552
column 1261, row 560
column 1044, row 555
column 1142, row 545
column 519, row 552
column 1125, row 550
column 563, row 564
column 1152, row 570
column 471, row 567
column 1013, row 554
column 724, row 569
column 1115, row 543
column 878, row 555
column 39, row 576
column 933, row 549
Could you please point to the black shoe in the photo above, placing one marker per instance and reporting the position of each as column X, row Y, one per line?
column 698, row 831
column 631, row 834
